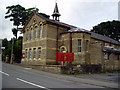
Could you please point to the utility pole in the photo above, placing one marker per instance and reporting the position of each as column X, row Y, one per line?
column 11, row 61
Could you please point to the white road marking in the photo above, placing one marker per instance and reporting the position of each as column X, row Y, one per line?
column 31, row 83
column 4, row 73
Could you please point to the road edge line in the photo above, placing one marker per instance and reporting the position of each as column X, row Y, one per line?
column 4, row 73
column 32, row 83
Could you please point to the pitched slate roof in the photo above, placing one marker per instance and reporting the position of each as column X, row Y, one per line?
column 104, row 38
column 93, row 35
column 49, row 21
column 75, row 29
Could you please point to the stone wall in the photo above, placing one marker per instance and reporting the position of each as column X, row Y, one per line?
column 79, row 57
column 48, row 44
column 97, row 56
column 39, row 42
column 52, row 42
column 95, row 51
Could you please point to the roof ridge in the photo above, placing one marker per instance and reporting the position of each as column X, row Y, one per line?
column 93, row 34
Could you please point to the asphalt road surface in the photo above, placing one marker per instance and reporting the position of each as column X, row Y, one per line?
column 14, row 76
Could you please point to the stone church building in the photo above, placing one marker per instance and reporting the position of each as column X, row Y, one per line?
column 43, row 38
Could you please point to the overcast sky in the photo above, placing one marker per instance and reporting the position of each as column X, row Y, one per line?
column 81, row 13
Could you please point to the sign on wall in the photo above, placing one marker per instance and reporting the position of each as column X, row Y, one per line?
column 64, row 57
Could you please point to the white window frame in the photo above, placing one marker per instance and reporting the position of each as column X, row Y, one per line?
column 36, row 32
column 31, row 33
column 41, row 29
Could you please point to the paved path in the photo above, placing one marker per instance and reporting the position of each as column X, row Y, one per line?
column 14, row 76
column 107, row 77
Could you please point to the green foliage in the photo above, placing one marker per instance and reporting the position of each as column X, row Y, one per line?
column 110, row 29
column 7, row 51
column 19, row 15
column 14, row 30
column 16, row 13
column 17, row 48
column 5, row 43
column 27, row 14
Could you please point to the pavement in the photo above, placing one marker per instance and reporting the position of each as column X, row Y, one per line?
column 14, row 76
column 106, row 77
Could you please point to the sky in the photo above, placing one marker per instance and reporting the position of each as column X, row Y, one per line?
column 81, row 13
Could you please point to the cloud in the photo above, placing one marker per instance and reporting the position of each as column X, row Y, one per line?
column 5, row 25
column 88, row 14
column 81, row 13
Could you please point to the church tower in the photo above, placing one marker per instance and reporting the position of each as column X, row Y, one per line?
column 56, row 13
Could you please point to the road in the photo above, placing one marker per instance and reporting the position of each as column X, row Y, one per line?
column 14, row 76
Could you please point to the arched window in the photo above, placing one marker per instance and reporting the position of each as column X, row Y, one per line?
column 34, row 53
column 30, row 54
column 35, row 32
column 31, row 34
column 41, row 30
column 39, row 52
column 27, row 34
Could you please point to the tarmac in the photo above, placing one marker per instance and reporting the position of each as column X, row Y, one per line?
column 106, row 80
column 103, row 80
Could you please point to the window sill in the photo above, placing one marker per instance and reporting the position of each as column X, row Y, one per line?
column 34, row 59
column 79, row 52
column 39, row 59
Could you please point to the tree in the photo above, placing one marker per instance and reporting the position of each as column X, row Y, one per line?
column 27, row 14
column 17, row 49
column 110, row 29
column 7, row 51
column 29, row 11
column 15, row 31
column 15, row 13
column 19, row 15
column 5, row 43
